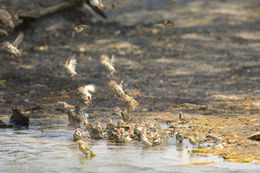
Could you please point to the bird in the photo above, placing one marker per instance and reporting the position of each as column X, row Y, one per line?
column 182, row 119
column 100, row 127
column 137, row 132
column 122, row 114
column 85, row 149
column 166, row 23
column 80, row 118
column 119, row 136
column 131, row 134
column 97, row 131
column 117, row 88
column 77, row 135
column 13, row 47
column 97, row 6
column 108, row 63
column 70, row 66
column 110, row 127
column 179, row 137
column 192, row 141
column 86, row 92
column 145, row 140
column 66, row 105
column 195, row 140
column 96, row 3
column 76, row 115
column 129, row 103
column 156, row 138
column 78, row 29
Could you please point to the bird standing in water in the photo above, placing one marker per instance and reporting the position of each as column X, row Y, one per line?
column 77, row 134
column 145, row 140
column 122, row 114
column 85, row 149
column 179, row 137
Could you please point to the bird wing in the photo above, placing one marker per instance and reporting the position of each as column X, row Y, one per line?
column 83, row 26
column 121, row 84
column 90, row 87
column 112, row 60
column 95, row 3
column 97, row 10
column 72, row 63
column 18, row 40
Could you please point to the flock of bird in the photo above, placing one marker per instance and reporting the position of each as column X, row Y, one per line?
column 149, row 134
column 121, row 132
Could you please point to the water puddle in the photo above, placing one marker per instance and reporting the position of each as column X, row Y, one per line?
column 47, row 146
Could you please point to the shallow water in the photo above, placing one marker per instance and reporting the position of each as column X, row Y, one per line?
column 47, row 146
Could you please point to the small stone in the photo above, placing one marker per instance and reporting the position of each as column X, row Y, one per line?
column 255, row 136
column 218, row 146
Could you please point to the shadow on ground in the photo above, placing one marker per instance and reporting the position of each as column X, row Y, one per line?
column 207, row 65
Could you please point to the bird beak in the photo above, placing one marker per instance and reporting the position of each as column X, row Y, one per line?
column 100, row 61
column 78, row 88
column 123, row 97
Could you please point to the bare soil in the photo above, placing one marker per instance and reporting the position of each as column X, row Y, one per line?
column 206, row 66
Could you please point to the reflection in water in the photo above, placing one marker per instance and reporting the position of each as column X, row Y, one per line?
column 47, row 146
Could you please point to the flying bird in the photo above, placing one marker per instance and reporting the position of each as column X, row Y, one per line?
column 78, row 29
column 117, row 88
column 97, row 6
column 108, row 63
column 13, row 47
column 70, row 65
column 129, row 103
column 166, row 23
column 86, row 92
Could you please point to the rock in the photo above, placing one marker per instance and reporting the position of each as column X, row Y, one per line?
column 6, row 22
column 4, row 125
column 18, row 119
column 12, row 12
column 255, row 136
